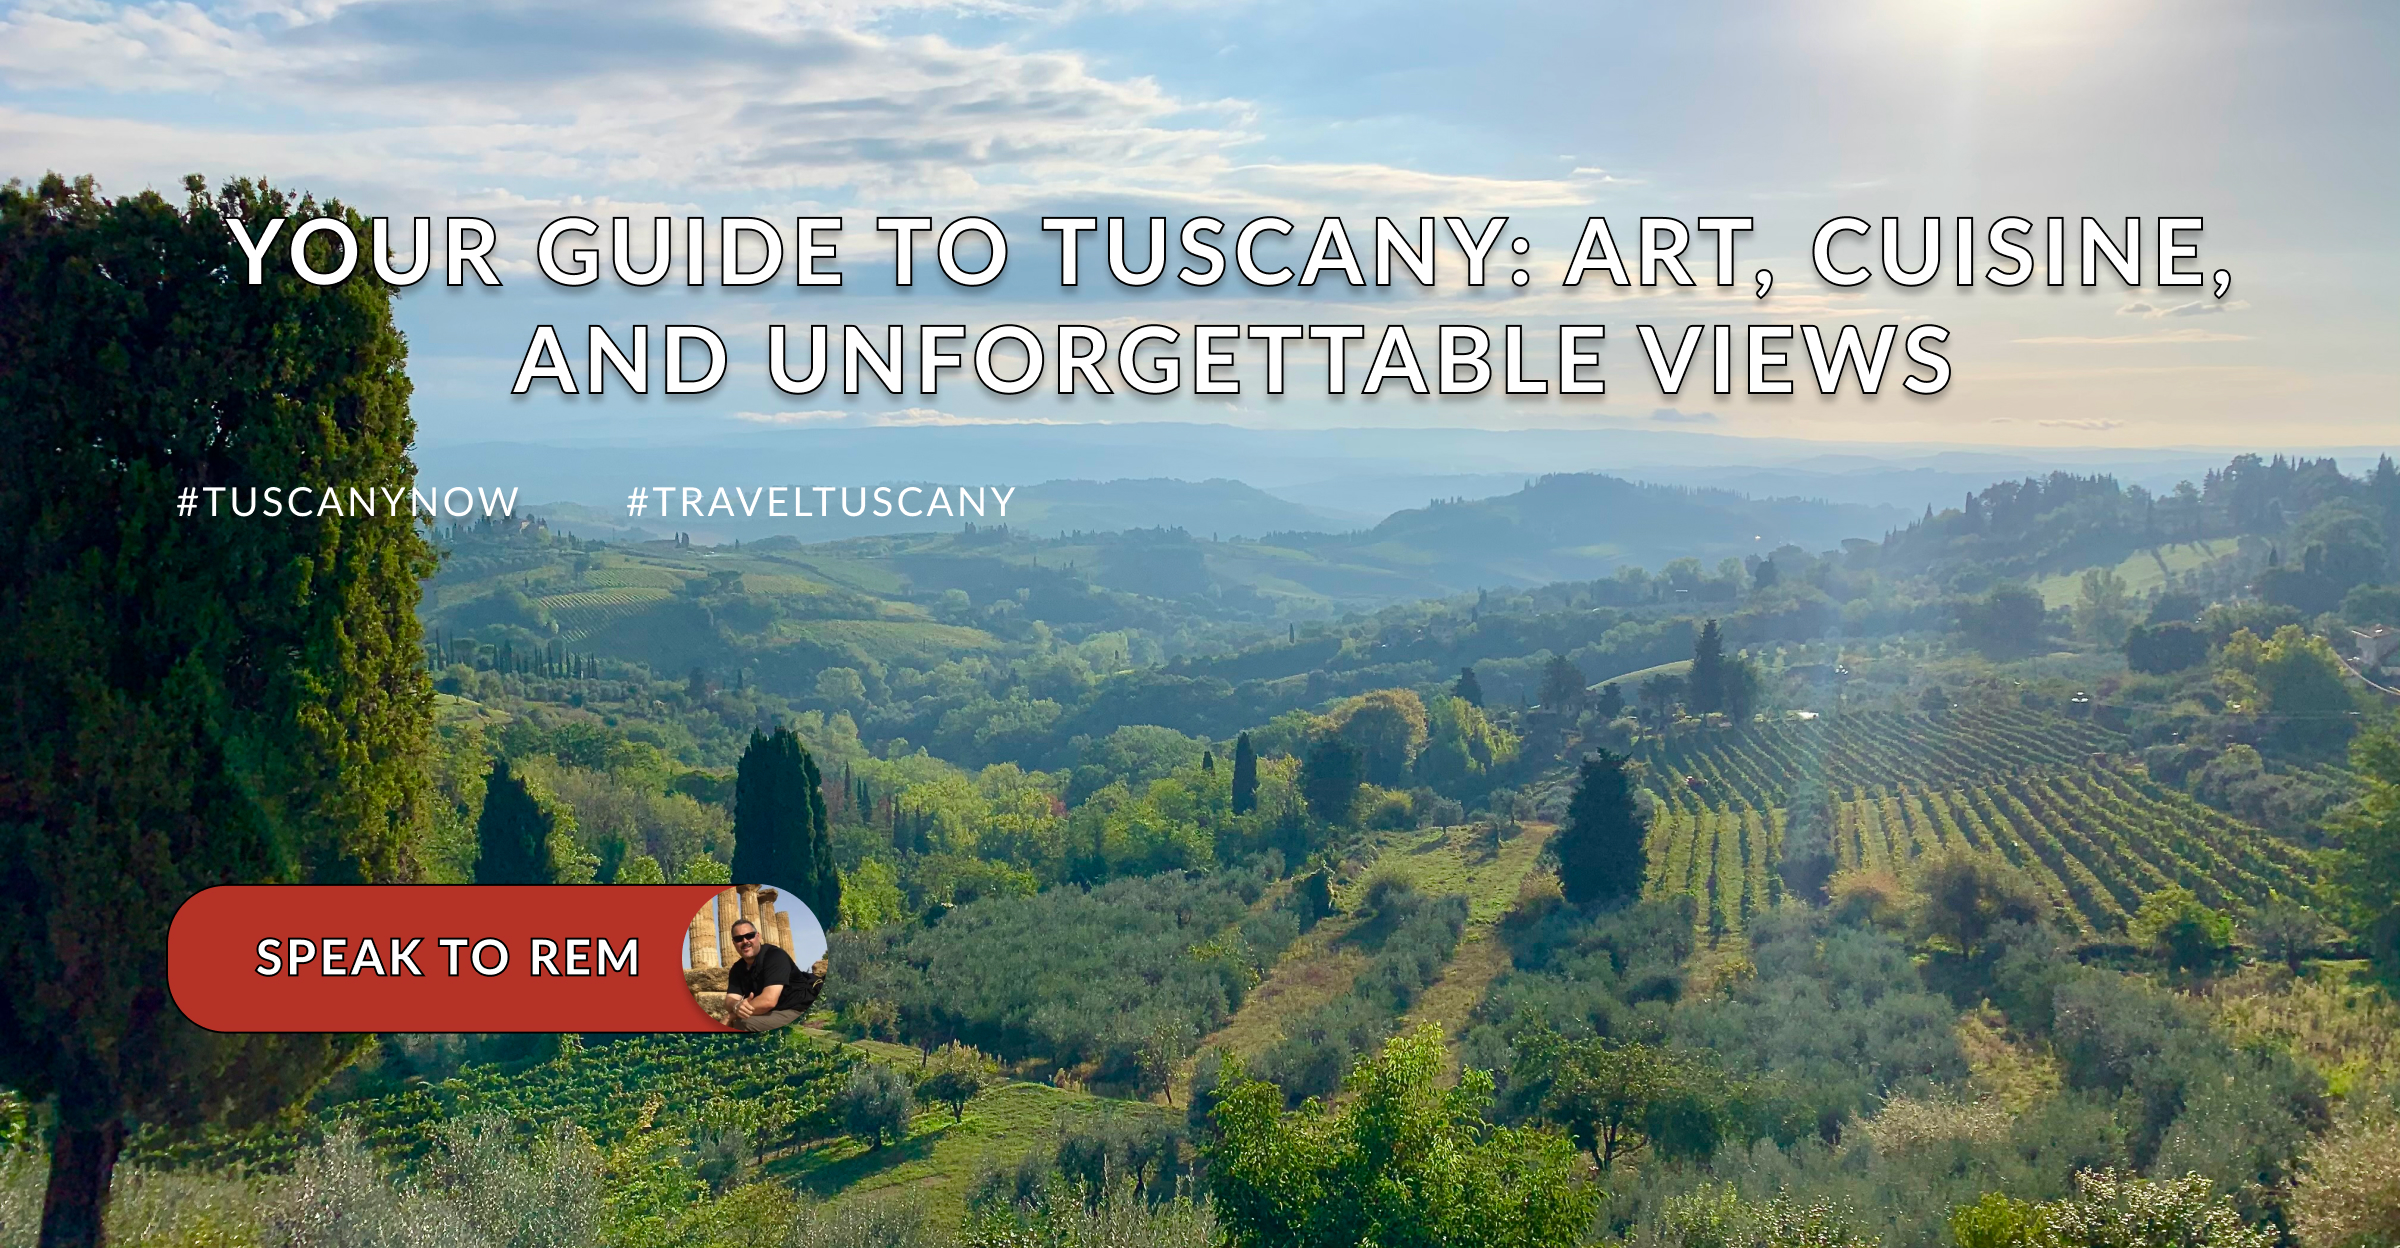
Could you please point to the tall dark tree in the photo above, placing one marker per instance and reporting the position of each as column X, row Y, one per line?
column 1468, row 689
column 191, row 702
column 1562, row 684
column 1707, row 681
column 1245, row 775
column 780, row 833
column 1600, row 857
column 1612, row 701
column 512, row 836
column 1330, row 776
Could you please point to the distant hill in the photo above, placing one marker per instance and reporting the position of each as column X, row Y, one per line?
column 1215, row 508
column 1578, row 526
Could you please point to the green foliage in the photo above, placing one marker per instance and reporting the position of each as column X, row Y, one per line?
column 2005, row 623
column 1612, row 1100
column 1463, row 748
column 780, row 834
column 2102, row 610
column 1134, row 755
column 871, row 896
column 2369, row 605
column 1330, row 777
column 2188, row 935
column 640, row 869
column 514, row 833
column 1718, row 1217
column 1762, row 766
column 1467, row 688
column 1706, row 681
column 2366, row 869
column 1562, row 684
column 2187, row 1097
column 956, row 1074
column 1314, row 894
column 1998, row 1221
column 791, row 1076
column 2296, row 680
column 875, row 1104
column 704, row 871
column 1387, row 727
column 1809, row 859
column 630, row 809
column 2161, row 649
column 2348, row 1196
column 1411, row 936
column 192, row 703
column 1069, row 976
column 1402, row 1162
column 1600, row 854
column 2286, row 931
column 2111, row 1210
column 1245, row 776
column 1962, row 896
column 1837, row 1015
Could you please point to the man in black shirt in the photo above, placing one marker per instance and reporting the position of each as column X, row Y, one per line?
column 766, row 989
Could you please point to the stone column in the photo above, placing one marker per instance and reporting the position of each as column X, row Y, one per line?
column 766, row 918
column 729, row 909
column 749, row 894
column 783, row 930
column 704, row 938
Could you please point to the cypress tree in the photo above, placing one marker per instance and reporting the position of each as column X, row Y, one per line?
column 513, row 834
column 780, row 834
column 1707, row 683
column 1611, row 703
column 1562, row 684
column 1468, row 689
column 1245, row 776
column 1600, row 857
column 190, row 702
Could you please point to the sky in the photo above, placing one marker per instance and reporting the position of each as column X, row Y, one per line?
column 2271, row 122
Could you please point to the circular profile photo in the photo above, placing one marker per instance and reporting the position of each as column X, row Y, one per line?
column 755, row 957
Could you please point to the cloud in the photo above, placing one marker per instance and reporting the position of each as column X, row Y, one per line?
column 815, row 416
column 2093, row 425
column 1669, row 416
column 703, row 95
column 921, row 416
column 2158, row 337
column 2196, row 307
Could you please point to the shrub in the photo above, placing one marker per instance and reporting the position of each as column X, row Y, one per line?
column 2188, row 935
column 875, row 1103
column 2111, row 1210
column 957, row 1074
column 2349, row 1196
column 1718, row 1217
column 1962, row 896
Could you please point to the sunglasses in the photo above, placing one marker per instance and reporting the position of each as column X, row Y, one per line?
column 744, row 937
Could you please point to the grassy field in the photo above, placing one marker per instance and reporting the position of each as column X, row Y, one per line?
column 2143, row 570
column 940, row 1158
column 1321, row 965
